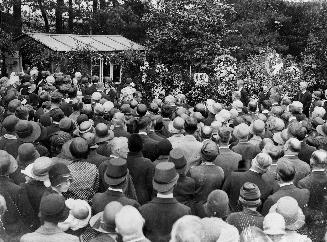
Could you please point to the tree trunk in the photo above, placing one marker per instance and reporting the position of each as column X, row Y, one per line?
column 59, row 11
column 71, row 16
column 102, row 4
column 94, row 17
column 17, row 16
column 44, row 16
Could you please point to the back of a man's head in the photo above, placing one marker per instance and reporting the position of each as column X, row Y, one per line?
column 135, row 143
column 206, row 132
column 144, row 123
column 166, row 111
column 190, row 125
column 293, row 145
column 285, row 170
column 319, row 159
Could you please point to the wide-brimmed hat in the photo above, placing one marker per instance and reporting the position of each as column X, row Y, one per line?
column 53, row 208
column 27, row 131
column 6, row 157
column 177, row 157
column 241, row 131
column 102, row 133
column 39, row 169
column 322, row 129
column 257, row 127
column 250, row 194
column 274, row 224
column 289, row 208
column 105, row 223
column 165, row 177
column 10, row 122
column 27, row 153
column 116, row 171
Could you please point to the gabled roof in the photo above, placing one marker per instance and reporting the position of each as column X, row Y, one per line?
column 71, row 42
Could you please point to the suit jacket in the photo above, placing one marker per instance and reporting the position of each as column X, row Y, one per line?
column 209, row 119
column 121, row 132
column 150, row 150
column 95, row 158
column 247, row 150
column 19, row 217
column 100, row 200
column 160, row 214
column 9, row 145
column 306, row 152
column 228, row 160
column 302, row 169
column 142, row 170
column 154, row 136
column 305, row 99
column 185, row 191
column 235, row 181
column 244, row 219
column 245, row 97
column 208, row 177
column 300, row 195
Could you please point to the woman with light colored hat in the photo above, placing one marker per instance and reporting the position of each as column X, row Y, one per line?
column 37, row 180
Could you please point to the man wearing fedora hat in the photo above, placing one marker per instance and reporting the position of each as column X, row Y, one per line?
column 234, row 182
column 116, row 176
column 103, row 136
column 20, row 217
column 140, row 168
column 8, row 141
column 162, row 211
column 184, row 191
column 285, row 175
column 52, row 211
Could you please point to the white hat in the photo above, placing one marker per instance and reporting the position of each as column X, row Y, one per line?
column 274, row 224
column 96, row 96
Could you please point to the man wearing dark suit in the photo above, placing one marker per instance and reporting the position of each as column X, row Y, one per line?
column 285, row 176
column 227, row 159
column 149, row 145
column 318, row 175
column 19, row 217
column 236, row 180
column 306, row 150
column 164, row 210
column 116, row 177
column 244, row 94
column 141, row 169
column 184, row 191
column 304, row 97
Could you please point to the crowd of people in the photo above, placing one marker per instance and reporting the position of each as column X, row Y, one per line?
column 82, row 161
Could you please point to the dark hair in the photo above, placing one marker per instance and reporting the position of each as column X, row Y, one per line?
column 157, row 124
column 266, row 104
column 301, row 133
column 286, row 175
column 166, row 111
column 135, row 143
column 143, row 122
column 78, row 154
column 4, row 167
column 190, row 125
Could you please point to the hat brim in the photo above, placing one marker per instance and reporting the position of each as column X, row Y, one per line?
column 95, row 223
column 274, row 231
column 28, row 172
column 320, row 131
column 19, row 160
column 36, row 133
column 115, row 181
column 109, row 136
column 165, row 187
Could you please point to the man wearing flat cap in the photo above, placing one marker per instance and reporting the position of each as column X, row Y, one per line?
column 164, row 210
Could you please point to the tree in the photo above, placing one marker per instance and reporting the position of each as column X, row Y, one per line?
column 44, row 16
column 59, row 11
column 187, row 32
column 17, row 15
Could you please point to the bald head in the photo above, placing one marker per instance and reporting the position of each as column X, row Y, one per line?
column 123, row 222
column 110, row 211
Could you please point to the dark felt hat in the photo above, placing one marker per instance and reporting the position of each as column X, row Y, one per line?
column 102, row 133
column 165, row 177
column 10, row 122
column 59, row 173
column 116, row 171
column 27, row 153
column 81, row 118
column 53, row 208
column 27, row 131
column 164, row 147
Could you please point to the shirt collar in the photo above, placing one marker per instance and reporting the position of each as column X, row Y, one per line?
column 10, row 136
column 113, row 156
column 170, row 195
column 138, row 239
column 143, row 133
column 317, row 169
column 285, row 184
column 115, row 189
column 251, row 169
